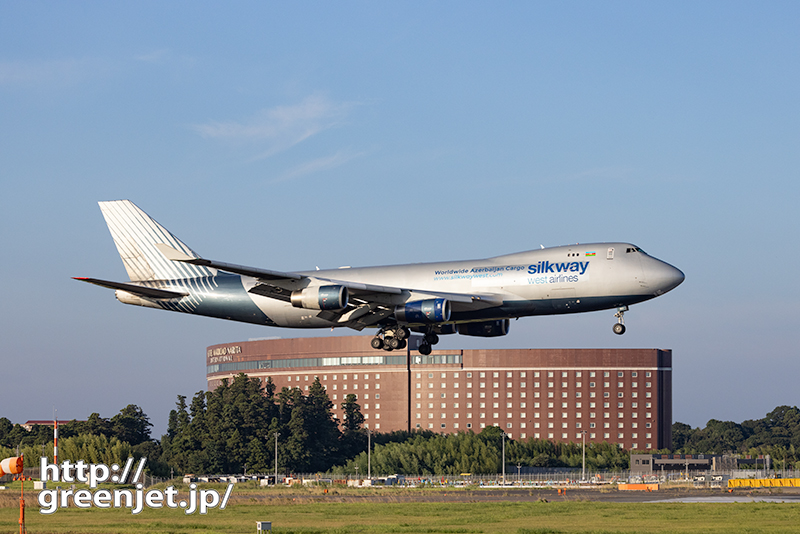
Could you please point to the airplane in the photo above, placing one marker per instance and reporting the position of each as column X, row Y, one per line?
column 472, row 297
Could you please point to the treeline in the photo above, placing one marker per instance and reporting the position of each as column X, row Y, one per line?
column 234, row 426
column 777, row 434
column 427, row 453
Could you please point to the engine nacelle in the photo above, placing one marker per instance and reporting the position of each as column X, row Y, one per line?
column 424, row 311
column 321, row 298
column 485, row 329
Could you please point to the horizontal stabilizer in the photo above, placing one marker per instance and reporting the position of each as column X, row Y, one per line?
column 148, row 292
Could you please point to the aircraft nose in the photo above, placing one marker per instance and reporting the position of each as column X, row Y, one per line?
column 663, row 277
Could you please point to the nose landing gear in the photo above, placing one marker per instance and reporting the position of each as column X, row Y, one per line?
column 619, row 328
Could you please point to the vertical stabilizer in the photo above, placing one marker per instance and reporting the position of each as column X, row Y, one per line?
column 136, row 235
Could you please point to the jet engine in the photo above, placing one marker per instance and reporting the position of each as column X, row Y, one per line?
column 485, row 328
column 424, row 311
column 321, row 298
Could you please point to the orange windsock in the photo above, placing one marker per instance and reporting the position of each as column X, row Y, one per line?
column 12, row 466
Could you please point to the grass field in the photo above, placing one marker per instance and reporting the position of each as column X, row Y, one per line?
column 315, row 515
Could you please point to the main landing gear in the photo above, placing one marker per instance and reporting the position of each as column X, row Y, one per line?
column 619, row 328
column 396, row 338
column 393, row 338
column 430, row 339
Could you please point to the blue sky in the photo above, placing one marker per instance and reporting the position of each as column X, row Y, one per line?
column 291, row 135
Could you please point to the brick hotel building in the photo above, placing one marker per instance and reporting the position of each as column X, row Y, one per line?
column 621, row 396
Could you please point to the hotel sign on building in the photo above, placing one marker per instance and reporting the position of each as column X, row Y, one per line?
column 621, row 396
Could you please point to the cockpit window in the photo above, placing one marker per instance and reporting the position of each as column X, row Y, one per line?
column 634, row 249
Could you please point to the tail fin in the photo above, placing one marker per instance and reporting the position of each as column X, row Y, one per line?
column 136, row 235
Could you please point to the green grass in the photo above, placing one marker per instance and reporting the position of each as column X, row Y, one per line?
column 425, row 517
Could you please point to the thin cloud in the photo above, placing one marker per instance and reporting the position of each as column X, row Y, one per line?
column 317, row 165
column 54, row 72
column 281, row 127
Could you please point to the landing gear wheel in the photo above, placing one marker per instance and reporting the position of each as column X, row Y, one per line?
column 402, row 333
column 403, row 344
column 393, row 343
column 431, row 338
column 425, row 349
column 377, row 343
column 619, row 329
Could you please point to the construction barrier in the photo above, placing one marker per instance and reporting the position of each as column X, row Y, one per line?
column 764, row 483
column 637, row 487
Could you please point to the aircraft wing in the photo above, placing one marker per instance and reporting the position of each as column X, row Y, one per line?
column 369, row 303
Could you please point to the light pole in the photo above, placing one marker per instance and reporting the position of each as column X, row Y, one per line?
column 276, row 458
column 504, row 458
column 583, row 469
column 369, row 454
column 519, row 467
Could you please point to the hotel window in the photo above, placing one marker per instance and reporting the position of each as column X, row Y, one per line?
column 634, row 374
column 469, row 385
column 563, row 384
column 634, row 425
column 606, row 374
column 634, row 384
column 606, row 395
column 419, row 386
column 606, row 435
column 508, row 374
column 535, row 415
column 443, row 385
column 377, row 376
column 419, row 395
column 647, row 425
column 564, row 415
column 564, row 425
column 495, row 405
column 535, row 425
column 591, row 425
column 430, row 406
column 508, row 405
column 469, row 375
column 430, row 395
column 455, row 395
column 482, row 395
column 509, row 395
column 508, row 415
column 647, row 405
column 419, row 416
column 592, row 435
column 620, row 435
column 536, row 384
column 523, row 404
column 648, row 436
column 482, row 374
column 495, row 395
column 591, row 374
column 419, row 375
column 482, row 385
column 647, row 374
column 483, row 415
column 564, row 394
column 430, row 416
column 430, row 385
column 550, row 405
column 620, row 384
column 606, row 384
column 592, row 414
column 549, row 425
column 647, row 395
column 550, row 395
column 647, row 384
column 455, row 385
column 536, row 374
column 495, row 384
column 443, row 395
column 443, row 405
column 430, row 375
column 620, row 425
column 550, row 415
column 521, row 384
column 648, row 415
column 523, row 374
column 592, row 384
column 508, row 384
column 634, row 395
column 455, row 405
column 549, row 374
column 563, row 374
column 495, row 375
column 620, row 395
column 550, row 384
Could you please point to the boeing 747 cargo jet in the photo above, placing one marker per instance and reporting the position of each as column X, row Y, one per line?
column 473, row 297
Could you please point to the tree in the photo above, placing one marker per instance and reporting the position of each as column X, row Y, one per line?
column 131, row 425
